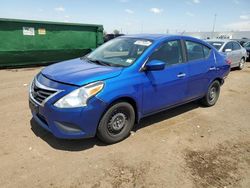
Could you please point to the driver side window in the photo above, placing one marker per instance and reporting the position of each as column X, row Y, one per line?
column 170, row 52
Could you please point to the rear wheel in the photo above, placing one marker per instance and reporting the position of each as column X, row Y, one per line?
column 212, row 94
column 241, row 64
column 116, row 123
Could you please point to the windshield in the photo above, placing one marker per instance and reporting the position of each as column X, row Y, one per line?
column 119, row 52
column 247, row 45
column 217, row 45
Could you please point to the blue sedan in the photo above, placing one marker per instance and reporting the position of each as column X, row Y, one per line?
column 108, row 91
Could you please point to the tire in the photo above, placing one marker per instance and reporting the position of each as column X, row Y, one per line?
column 116, row 123
column 241, row 64
column 212, row 94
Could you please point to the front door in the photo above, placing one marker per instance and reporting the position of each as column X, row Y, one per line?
column 228, row 50
column 167, row 87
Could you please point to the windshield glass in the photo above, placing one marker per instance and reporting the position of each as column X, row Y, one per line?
column 119, row 52
column 247, row 45
column 217, row 45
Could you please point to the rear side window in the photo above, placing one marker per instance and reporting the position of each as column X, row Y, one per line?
column 236, row 46
column 206, row 51
column 196, row 51
column 169, row 52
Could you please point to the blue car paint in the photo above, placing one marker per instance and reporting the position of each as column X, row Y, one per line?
column 150, row 91
column 76, row 116
column 74, row 70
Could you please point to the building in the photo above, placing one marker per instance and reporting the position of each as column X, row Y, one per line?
column 221, row 35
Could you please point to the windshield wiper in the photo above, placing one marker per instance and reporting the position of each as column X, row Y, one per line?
column 102, row 62
column 96, row 61
column 99, row 62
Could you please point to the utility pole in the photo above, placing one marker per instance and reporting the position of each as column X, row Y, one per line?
column 214, row 25
column 142, row 28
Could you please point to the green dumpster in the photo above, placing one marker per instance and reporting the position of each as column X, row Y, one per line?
column 26, row 42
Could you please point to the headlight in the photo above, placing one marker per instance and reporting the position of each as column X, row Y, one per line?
column 79, row 97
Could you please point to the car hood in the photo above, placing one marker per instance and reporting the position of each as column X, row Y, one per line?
column 79, row 72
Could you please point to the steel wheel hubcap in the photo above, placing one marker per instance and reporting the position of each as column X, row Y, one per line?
column 242, row 63
column 212, row 94
column 117, row 122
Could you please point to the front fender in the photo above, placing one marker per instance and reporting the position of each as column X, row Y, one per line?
column 124, row 86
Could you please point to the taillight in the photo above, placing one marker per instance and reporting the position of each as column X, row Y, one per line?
column 228, row 61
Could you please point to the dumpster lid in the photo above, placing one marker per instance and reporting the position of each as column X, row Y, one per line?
column 47, row 22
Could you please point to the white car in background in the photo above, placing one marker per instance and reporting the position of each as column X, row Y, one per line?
column 232, row 49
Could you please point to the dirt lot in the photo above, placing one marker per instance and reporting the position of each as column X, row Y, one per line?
column 189, row 146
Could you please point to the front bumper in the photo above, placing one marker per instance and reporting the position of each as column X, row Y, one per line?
column 71, row 123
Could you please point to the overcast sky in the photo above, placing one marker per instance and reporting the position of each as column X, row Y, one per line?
column 137, row 16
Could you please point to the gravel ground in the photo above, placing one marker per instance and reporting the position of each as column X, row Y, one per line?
column 189, row 146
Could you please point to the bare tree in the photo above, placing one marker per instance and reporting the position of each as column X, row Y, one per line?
column 116, row 32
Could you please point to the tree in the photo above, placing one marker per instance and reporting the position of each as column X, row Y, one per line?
column 116, row 32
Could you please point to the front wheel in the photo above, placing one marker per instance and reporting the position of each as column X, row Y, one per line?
column 116, row 123
column 212, row 94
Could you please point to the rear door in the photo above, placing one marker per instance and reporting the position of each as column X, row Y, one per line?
column 201, row 68
column 167, row 87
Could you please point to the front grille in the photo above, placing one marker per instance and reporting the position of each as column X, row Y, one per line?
column 41, row 93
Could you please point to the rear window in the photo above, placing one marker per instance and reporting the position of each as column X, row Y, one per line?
column 217, row 45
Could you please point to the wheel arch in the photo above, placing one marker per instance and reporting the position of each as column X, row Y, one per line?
column 129, row 100
column 220, row 80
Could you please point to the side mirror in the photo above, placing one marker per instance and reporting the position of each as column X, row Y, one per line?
column 228, row 50
column 155, row 65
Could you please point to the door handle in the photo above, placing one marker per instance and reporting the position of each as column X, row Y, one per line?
column 181, row 75
column 212, row 68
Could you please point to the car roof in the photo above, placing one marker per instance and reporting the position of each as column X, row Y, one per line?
column 161, row 37
column 155, row 37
